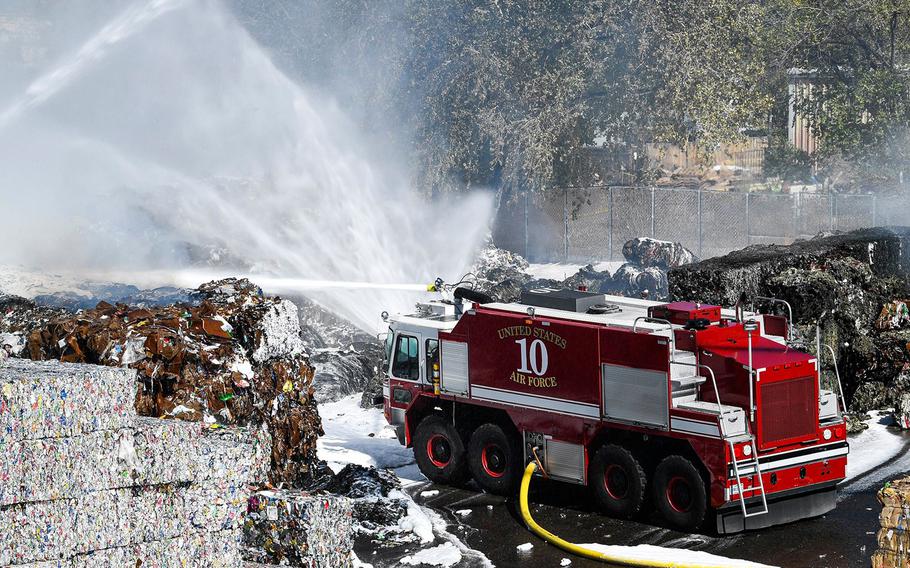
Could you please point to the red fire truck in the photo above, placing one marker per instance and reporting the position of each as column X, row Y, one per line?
column 693, row 409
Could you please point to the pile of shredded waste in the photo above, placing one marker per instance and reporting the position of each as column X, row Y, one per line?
column 235, row 358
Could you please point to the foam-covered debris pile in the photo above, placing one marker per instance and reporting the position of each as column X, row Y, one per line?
column 503, row 275
column 236, row 358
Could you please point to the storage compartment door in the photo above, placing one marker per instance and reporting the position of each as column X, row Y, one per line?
column 636, row 396
column 454, row 371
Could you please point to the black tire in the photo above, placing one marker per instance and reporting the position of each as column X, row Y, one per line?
column 679, row 493
column 494, row 460
column 439, row 451
column 618, row 480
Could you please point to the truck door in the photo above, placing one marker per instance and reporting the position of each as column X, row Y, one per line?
column 407, row 374
column 406, row 358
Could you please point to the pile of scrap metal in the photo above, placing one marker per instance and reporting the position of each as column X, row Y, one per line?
column 852, row 285
column 234, row 358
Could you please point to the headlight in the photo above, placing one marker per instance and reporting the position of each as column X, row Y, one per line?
column 826, row 434
column 747, row 450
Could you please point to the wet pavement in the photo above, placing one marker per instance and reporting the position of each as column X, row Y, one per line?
column 843, row 538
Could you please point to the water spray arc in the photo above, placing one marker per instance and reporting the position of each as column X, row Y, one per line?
column 170, row 142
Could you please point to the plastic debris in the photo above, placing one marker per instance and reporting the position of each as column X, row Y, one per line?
column 295, row 528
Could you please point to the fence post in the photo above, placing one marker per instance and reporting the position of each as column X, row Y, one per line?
column 700, row 231
column 565, row 219
column 610, row 207
column 527, row 197
column 652, row 213
column 833, row 211
column 748, row 219
column 873, row 211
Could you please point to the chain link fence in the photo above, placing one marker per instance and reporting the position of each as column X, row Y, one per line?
column 592, row 224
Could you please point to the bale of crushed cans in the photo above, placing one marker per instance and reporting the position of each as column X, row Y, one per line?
column 297, row 528
column 86, row 482
column 236, row 358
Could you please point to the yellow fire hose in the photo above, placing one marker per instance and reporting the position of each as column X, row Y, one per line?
column 580, row 550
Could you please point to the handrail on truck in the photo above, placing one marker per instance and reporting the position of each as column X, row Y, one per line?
column 818, row 352
column 720, row 407
column 776, row 301
column 840, row 389
column 657, row 320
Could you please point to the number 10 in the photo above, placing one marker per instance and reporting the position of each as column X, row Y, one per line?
column 538, row 355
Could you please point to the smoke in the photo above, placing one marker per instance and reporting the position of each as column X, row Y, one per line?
column 168, row 141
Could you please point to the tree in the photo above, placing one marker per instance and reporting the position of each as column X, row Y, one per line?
column 860, row 106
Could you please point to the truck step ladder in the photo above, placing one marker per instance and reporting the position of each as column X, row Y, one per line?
column 760, row 508
column 728, row 417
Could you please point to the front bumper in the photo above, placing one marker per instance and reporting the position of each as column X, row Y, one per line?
column 783, row 507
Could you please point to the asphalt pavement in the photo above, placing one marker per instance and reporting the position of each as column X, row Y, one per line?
column 843, row 538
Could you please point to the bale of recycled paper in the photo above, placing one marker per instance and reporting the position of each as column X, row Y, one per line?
column 65, row 468
column 894, row 540
column 120, row 517
column 175, row 451
column 48, row 564
column 888, row 559
column 897, row 518
column 109, row 489
column 296, row 528
column 258, row 444
column 154, row 452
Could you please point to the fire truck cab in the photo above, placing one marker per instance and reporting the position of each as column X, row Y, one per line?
column 704, row 413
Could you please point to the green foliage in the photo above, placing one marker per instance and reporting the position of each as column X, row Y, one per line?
column 859, row 51
column 513, row 93
column 784, row 161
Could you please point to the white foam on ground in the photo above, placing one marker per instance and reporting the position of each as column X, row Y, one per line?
column 417, row 520
column 347, row 439
column 445, row 555
column 358, row 563
column 680, row 555
column 873, row 446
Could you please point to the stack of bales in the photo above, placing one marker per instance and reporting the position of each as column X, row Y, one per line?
column 84, row 482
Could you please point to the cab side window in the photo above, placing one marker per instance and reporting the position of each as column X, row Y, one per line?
column 407, row 359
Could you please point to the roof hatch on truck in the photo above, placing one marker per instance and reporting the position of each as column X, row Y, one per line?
column 568, row 300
